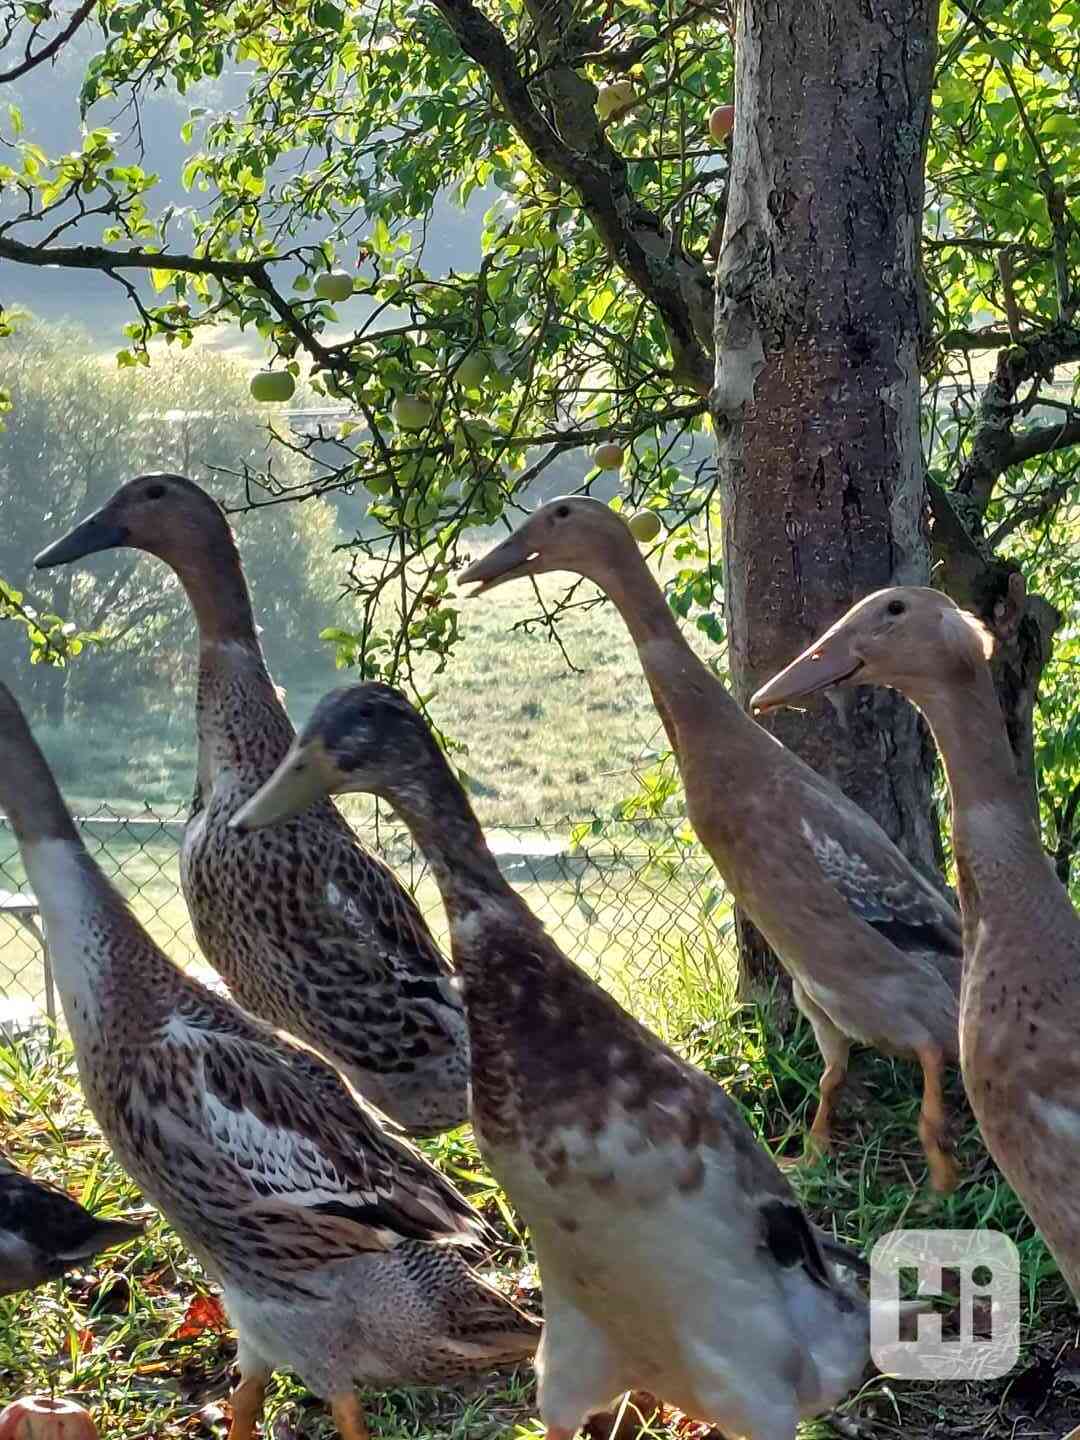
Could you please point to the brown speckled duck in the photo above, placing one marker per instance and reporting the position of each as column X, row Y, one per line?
column 336, row 1245
column 873, row 949
column 44, row 1232
column 674, row 1256
column 1020, row 1009
column 308, row 929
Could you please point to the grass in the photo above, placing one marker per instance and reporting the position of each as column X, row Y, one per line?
column 110, row 1336
column 541, row 741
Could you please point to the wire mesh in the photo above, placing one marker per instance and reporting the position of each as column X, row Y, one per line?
column 627, row 900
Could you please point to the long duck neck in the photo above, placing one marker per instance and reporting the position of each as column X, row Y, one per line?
column 242, row 728
column 80, row 908
column 994, row 833
column 684, row 689
column 447, row 832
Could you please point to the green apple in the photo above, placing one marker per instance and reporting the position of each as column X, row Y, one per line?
column 272, row 385
column 615, row 96
column 472, row 370
column 413, row 412
column 378, row 484
column 609, row 456
column 644, row 525
column 333, row 285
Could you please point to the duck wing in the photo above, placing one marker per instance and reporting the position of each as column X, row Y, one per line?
column 277, row 1133
column 862, row 865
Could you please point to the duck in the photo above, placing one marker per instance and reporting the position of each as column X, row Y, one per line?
column 674, row 1257
column 872, row 947
column 44, row 1232
column 309, row 929
column 341, row 1253
column 1020, row 1002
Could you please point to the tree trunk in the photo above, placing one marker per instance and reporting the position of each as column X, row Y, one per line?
column 816, row 401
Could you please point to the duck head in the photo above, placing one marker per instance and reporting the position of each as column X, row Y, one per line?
column 906, row 637
column 364, row 738
column 574, row 533
column 166, row 515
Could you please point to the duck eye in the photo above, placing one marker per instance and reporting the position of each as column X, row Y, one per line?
column 155, row 492
column 896, row 607
column 562, row 512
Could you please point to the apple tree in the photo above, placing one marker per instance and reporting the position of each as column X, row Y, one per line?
column 833, row 346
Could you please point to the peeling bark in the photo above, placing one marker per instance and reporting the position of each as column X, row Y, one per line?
column 816, row 399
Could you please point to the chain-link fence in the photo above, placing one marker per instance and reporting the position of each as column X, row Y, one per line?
column 629, row 901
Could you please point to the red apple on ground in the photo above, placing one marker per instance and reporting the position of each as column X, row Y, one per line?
column 40, row 1417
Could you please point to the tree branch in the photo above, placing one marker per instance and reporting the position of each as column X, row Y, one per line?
column 638, row 242
column 995, row 448
column 48, row 51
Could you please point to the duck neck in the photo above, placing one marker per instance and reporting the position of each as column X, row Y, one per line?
column 75, row 900
column 241, row 725
column 992, row 823
column 683, row 688
column 446, row 830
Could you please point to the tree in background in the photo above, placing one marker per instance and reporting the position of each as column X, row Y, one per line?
column 590, row 316
column 76, row 429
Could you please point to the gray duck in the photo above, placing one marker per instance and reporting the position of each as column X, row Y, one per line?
column 872, row 947
column 309, row 930
column 337, row 1246
column 673, row 1254
column 44, row 1232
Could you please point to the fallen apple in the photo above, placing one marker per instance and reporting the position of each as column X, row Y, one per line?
column 721, row 122
column 334, row 285
column 472, row 370
column 268, row 385
column 40, row 1417
column 644, row 525
column 609, row 456
column 613, row 97
column 413, row 412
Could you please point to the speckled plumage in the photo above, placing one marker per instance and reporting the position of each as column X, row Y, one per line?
column 873, row 949
column 336, row 1244
column 44, row 1232
column 310, row 931
column 674, row 1257
column 1020, row 1003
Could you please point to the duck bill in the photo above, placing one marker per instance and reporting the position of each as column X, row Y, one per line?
column 96, row 532
column 508, row 561
column 303, row 778
column 828, row 663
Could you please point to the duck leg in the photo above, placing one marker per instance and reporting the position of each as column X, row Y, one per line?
column 247, row 1404
column 933, row 1132
column 835, row 1048
column 349, row 1417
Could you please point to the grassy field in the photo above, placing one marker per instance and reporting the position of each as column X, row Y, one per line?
column 541, row 741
